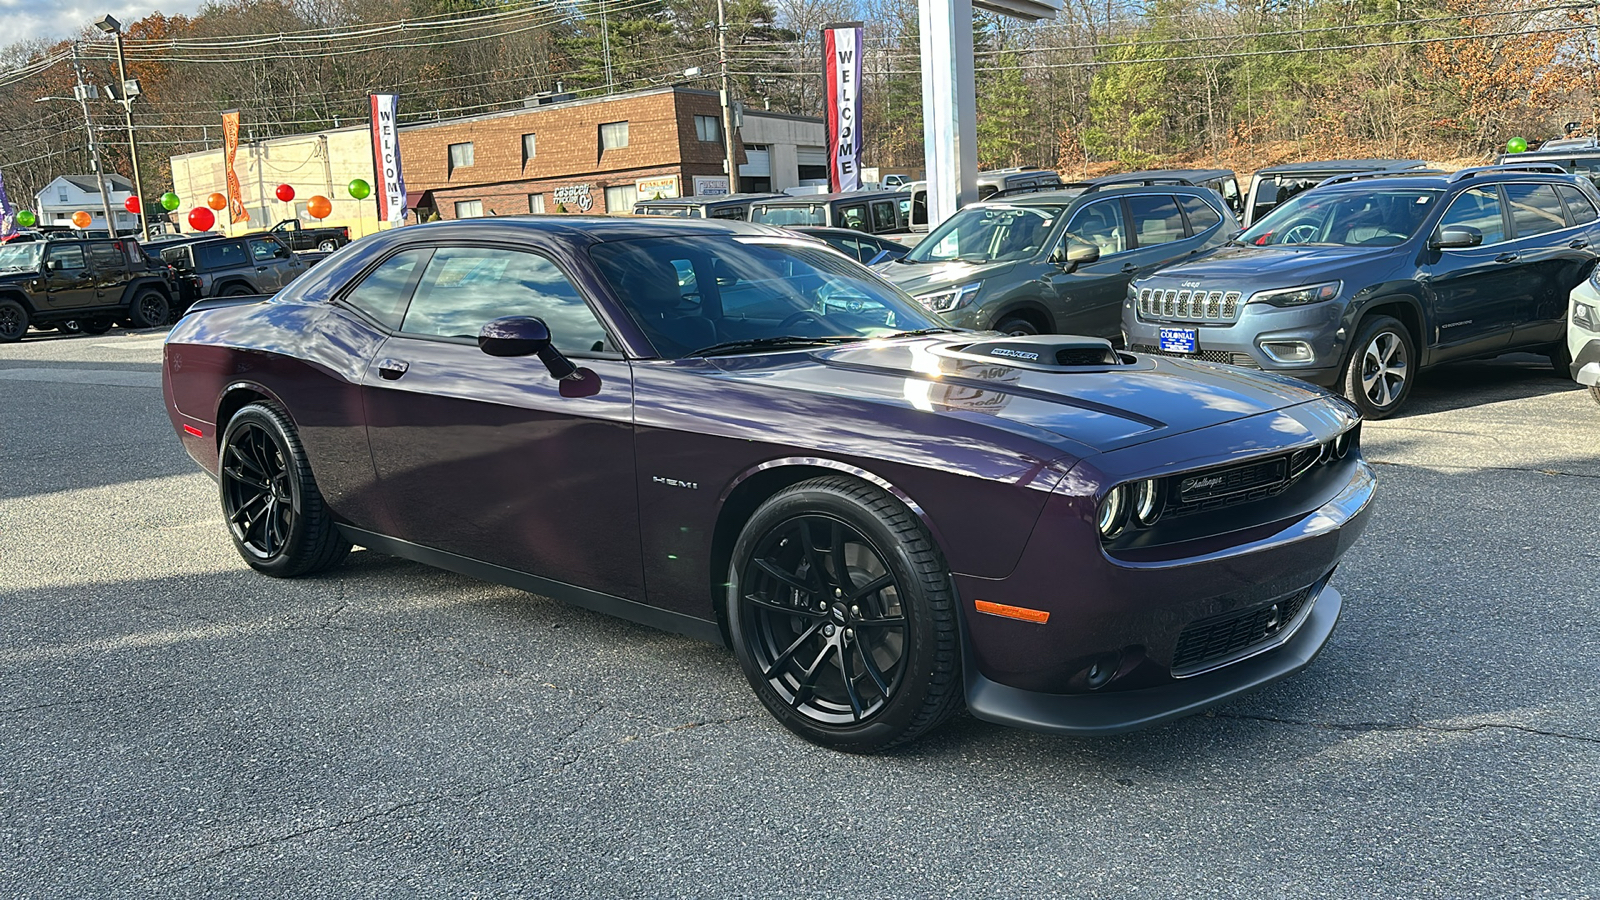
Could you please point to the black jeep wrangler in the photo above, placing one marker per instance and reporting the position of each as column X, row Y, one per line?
column 86, row 285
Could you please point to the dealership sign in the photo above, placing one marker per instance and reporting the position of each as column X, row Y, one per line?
column 841, row 54
column 710, row 185
column 386, row 160
column 663, row 188
column 575, row 196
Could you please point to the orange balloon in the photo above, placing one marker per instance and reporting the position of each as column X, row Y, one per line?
column 217, row 202
column 82, row 219
column 319, row 207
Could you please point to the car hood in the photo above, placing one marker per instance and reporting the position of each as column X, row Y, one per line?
column 1093, row 409
column 19, row 275
column 925, row 278
column 1267, row 267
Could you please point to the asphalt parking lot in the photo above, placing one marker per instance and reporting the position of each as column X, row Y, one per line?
column 172, row 724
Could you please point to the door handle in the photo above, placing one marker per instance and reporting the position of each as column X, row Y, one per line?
column 1578, row 244
column 1129, row 268
column 1506, row 257
column 391, row 369
column 261, row 268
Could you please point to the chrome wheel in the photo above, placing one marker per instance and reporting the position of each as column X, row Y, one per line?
column 1384, row 369
column 829, row 622
column 257, row 493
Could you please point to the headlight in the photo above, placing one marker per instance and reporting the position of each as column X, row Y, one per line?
column 950, row 300
column 1585, row 316
column 1147, row 501
column 1114, row 512
column 1300, row 296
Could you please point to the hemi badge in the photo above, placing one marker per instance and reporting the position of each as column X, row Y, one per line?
column 1036, row 616
column 190, row 429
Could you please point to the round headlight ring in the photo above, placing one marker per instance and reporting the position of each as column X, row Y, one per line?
column 1113, row 512
column 1147, row 501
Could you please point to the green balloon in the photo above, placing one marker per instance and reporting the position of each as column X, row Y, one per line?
column 359, row 189
column 1516, row 145
column 26, row 218
column 169, row 201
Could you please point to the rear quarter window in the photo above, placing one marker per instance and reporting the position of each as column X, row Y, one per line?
column 1579, row 207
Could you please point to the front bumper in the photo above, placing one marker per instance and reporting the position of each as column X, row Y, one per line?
column 1583, row 344
column 1239, row 343
column 1139, row 613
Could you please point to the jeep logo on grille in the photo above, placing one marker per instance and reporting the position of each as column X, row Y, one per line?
column 1014, row 354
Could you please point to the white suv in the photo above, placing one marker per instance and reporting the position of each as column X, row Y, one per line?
column 1583, row 334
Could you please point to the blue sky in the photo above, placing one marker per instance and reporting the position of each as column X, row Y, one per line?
column 57, row 19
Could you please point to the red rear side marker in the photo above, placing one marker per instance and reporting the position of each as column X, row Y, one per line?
column 190, row 429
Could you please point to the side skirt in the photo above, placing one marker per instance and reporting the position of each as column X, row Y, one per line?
column 622, row 608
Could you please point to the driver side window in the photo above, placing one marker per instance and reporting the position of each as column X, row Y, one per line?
column 1479, row 210
column 1101, row 224
column 463, row 288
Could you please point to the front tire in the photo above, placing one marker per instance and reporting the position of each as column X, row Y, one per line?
column 275, row 513
column 13, row 321
column 1017, row 326
column 97, row 325
column 842, row 615
column 1381, row 368
column 148, row 310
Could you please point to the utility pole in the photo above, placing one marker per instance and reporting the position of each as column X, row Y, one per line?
column 125, row 97
column 81, row 91
column 605, row 46
column 727, row 99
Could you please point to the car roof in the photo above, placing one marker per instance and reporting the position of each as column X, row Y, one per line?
column 841, row 232
column 1436, row 179
column 590, row 228
column 1071, row 193
column 1149, row 174
column 706, row 199
column 811, row 199
column 1340, row 165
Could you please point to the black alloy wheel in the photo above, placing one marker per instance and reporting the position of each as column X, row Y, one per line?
column 148, row 310
column 274, row 511
column 13, row 321
column 97, row 325
column 842, row 616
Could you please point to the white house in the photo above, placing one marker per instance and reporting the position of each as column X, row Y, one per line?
column 69, row 194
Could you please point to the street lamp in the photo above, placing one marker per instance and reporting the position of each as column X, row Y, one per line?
column 128, row 91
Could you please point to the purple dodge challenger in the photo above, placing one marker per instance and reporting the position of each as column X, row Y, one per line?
column 723, row 430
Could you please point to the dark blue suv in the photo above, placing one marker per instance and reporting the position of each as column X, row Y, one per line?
column 1363, row 280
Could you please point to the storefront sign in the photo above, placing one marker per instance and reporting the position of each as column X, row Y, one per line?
column 662, row 188
column 575, row 196
column 386, row 159
column 710, row 185
column 841, row 55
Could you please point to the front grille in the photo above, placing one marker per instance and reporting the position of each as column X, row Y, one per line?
column 1211, row 489
column 1189, row 306
column 1225, row 357
column 1210, row 642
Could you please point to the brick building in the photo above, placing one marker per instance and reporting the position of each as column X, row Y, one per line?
column 594, row 155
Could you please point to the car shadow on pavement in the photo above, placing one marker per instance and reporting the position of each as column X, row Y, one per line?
column 1463, row 385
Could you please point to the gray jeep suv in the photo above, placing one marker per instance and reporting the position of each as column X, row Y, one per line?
column 1057, row 261
column 1363, row 280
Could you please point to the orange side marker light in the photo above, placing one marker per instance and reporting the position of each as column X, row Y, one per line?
column 1036, row 616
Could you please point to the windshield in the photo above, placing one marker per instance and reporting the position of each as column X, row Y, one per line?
column 1353, row 218
column 690, row 293
column 20, row 257
column 980, row 234
column 790, row 215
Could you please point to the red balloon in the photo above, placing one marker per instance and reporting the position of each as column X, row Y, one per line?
column 285, row 193
column 201, row 219
column 131, row 205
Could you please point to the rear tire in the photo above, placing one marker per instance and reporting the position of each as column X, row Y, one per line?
column 148, row 310
column 328, row 246
column 237, row 290
column 1381, row 368
column 275, row 513
column 95, row 325
column 842, row 615
column 13, row 321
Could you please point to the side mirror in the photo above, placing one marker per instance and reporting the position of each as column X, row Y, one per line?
column 1073, row 253
column 281, row 253
column 52, row 264
column 524, row 336
column 884, row 256
column 1456, row 238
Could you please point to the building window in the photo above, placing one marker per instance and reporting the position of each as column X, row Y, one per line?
column 535, row 201
column 468, row 209
column 460, row 155
column 530, row 147
column 708, row 129
column 613, row 136
column 620, row 199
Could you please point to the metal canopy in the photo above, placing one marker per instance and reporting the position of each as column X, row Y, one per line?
column 949, row 103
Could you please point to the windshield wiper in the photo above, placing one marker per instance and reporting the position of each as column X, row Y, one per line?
column 921, row 331
column 787, row 340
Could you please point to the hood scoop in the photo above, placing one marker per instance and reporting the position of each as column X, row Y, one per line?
column 1042, row 353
